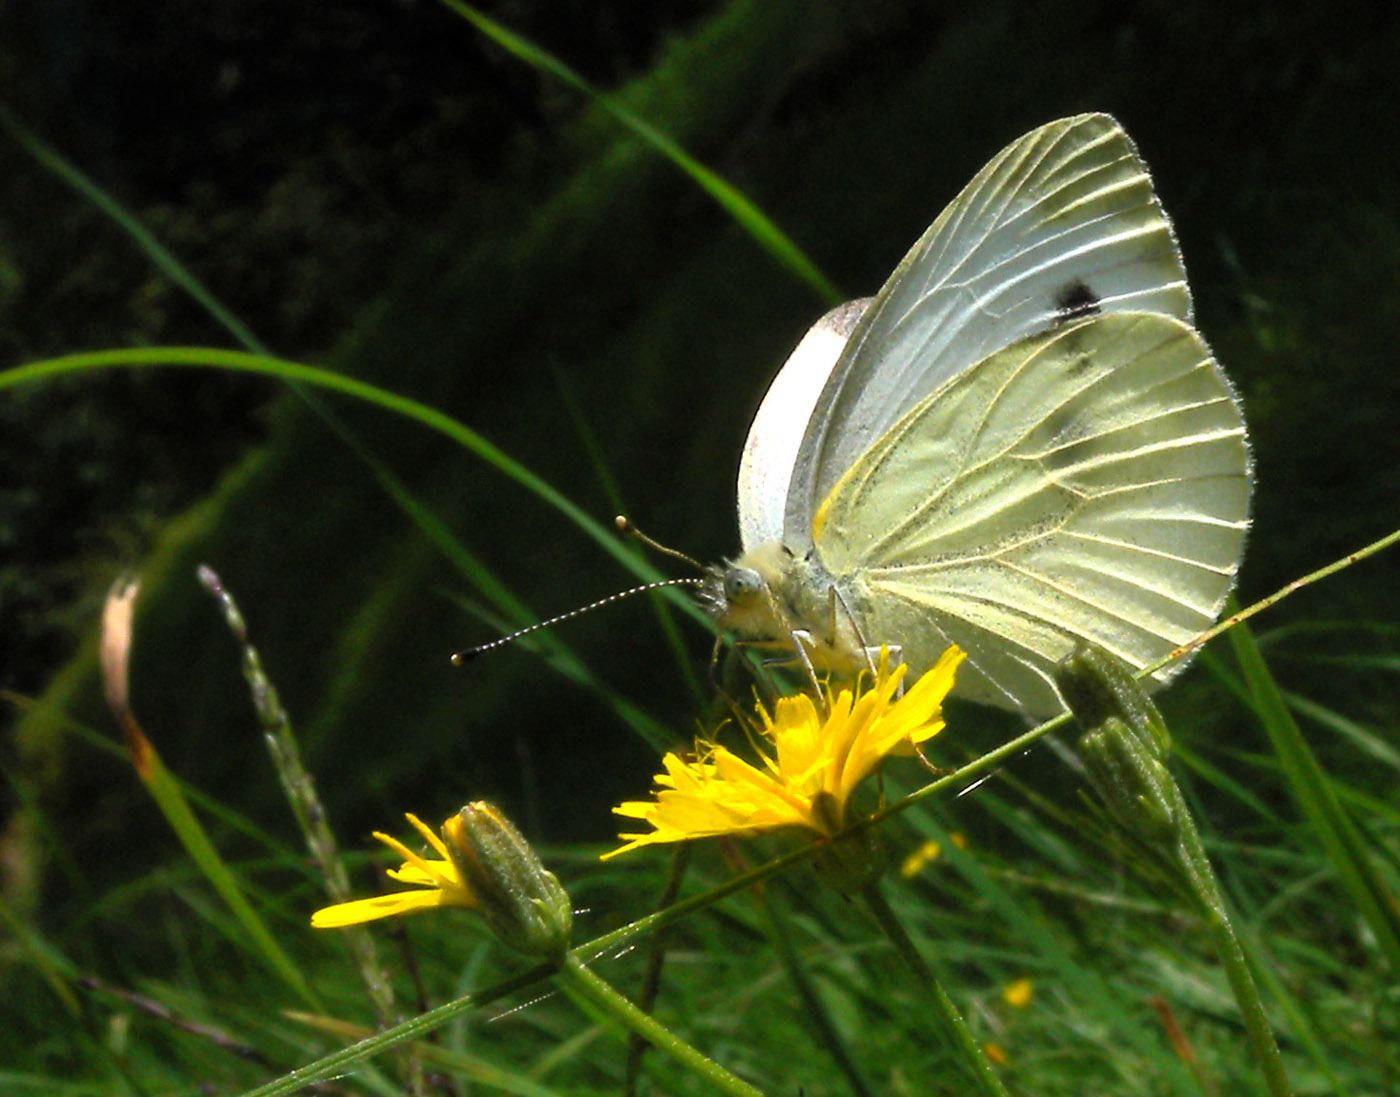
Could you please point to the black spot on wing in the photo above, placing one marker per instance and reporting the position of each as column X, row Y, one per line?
column 1073, row 300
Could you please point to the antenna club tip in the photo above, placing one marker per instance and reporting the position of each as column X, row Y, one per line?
column 622, row 524
column 461, row 658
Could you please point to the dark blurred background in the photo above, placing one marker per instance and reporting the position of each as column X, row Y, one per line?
column 378, row 188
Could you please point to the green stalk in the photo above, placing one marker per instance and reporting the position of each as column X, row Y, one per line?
column 1205, row 887
column 305, row 803
column 577, row 976
column 1125, row 747
column 973, row 1057
column 1316, row 796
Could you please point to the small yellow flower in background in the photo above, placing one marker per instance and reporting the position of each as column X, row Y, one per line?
column 915, row 862
column 438, row 881
column 927, row 853
column 1017, row 994
column 809, row 765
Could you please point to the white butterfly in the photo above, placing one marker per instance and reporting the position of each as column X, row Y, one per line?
column 1019, row 443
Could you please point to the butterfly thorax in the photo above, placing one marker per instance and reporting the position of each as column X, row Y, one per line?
column 775, row 597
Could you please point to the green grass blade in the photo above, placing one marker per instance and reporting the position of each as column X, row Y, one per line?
column 52, row 966
column 747, row 215
column 1367, row 741
column 171, row 267
column 781, row 935
column 1316, row 797
column 296, row 372
column 94, row 740
column 511, row 612
column 165, row 790
column 665, row 620
column 338, row 1062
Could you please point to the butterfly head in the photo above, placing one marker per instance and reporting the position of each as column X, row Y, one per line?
column 739, row 594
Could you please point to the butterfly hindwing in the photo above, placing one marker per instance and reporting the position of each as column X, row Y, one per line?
column 1090, row 482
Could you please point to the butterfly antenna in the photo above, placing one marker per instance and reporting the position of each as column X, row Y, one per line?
column 624, row 525
column 466, row 655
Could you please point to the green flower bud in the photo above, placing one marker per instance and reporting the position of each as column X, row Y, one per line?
column 1134, row 785
column 522, row 901
column 1097, row 685
column 1125, row 742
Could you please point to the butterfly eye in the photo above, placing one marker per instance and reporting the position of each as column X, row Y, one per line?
column 741, row 585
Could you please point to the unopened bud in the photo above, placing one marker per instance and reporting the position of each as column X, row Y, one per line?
column 1125, row 742
column 1097, row 685
column 521, row 900
column 1133, row 784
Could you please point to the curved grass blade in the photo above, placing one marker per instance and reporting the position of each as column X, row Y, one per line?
column 747, row 215
column 297, row 372
column 115, row 650
column 170, row 266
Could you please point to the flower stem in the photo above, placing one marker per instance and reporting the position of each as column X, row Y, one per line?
column 579, row 977
column 1200, row 875
column 1125, row 747
column 973, row 1058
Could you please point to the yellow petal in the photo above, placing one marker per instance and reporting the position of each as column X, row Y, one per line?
column 367, row 910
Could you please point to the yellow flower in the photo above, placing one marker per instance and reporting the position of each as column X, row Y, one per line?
column 809, row 763
column 928, row 853
column 1017, row 993
column 915, row 862
column 443, row 883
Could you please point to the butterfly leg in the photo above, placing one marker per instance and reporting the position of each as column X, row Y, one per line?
column 835, row 599
column 804, row 644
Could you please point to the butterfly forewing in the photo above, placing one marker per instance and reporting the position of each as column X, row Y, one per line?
column 1090, row 482
column 1062, row 223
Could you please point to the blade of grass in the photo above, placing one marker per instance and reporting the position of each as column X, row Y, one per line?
column 1317, row 799
column 296, row 372
column 513, row 613
column 284, row 749
column 1366, row 740
column 166, row 792
column 171, row 267
column 781, row 937
column 664, row 619
column 472, row 1069
column 747, row 215
column 53, row 967
column 95, row 740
